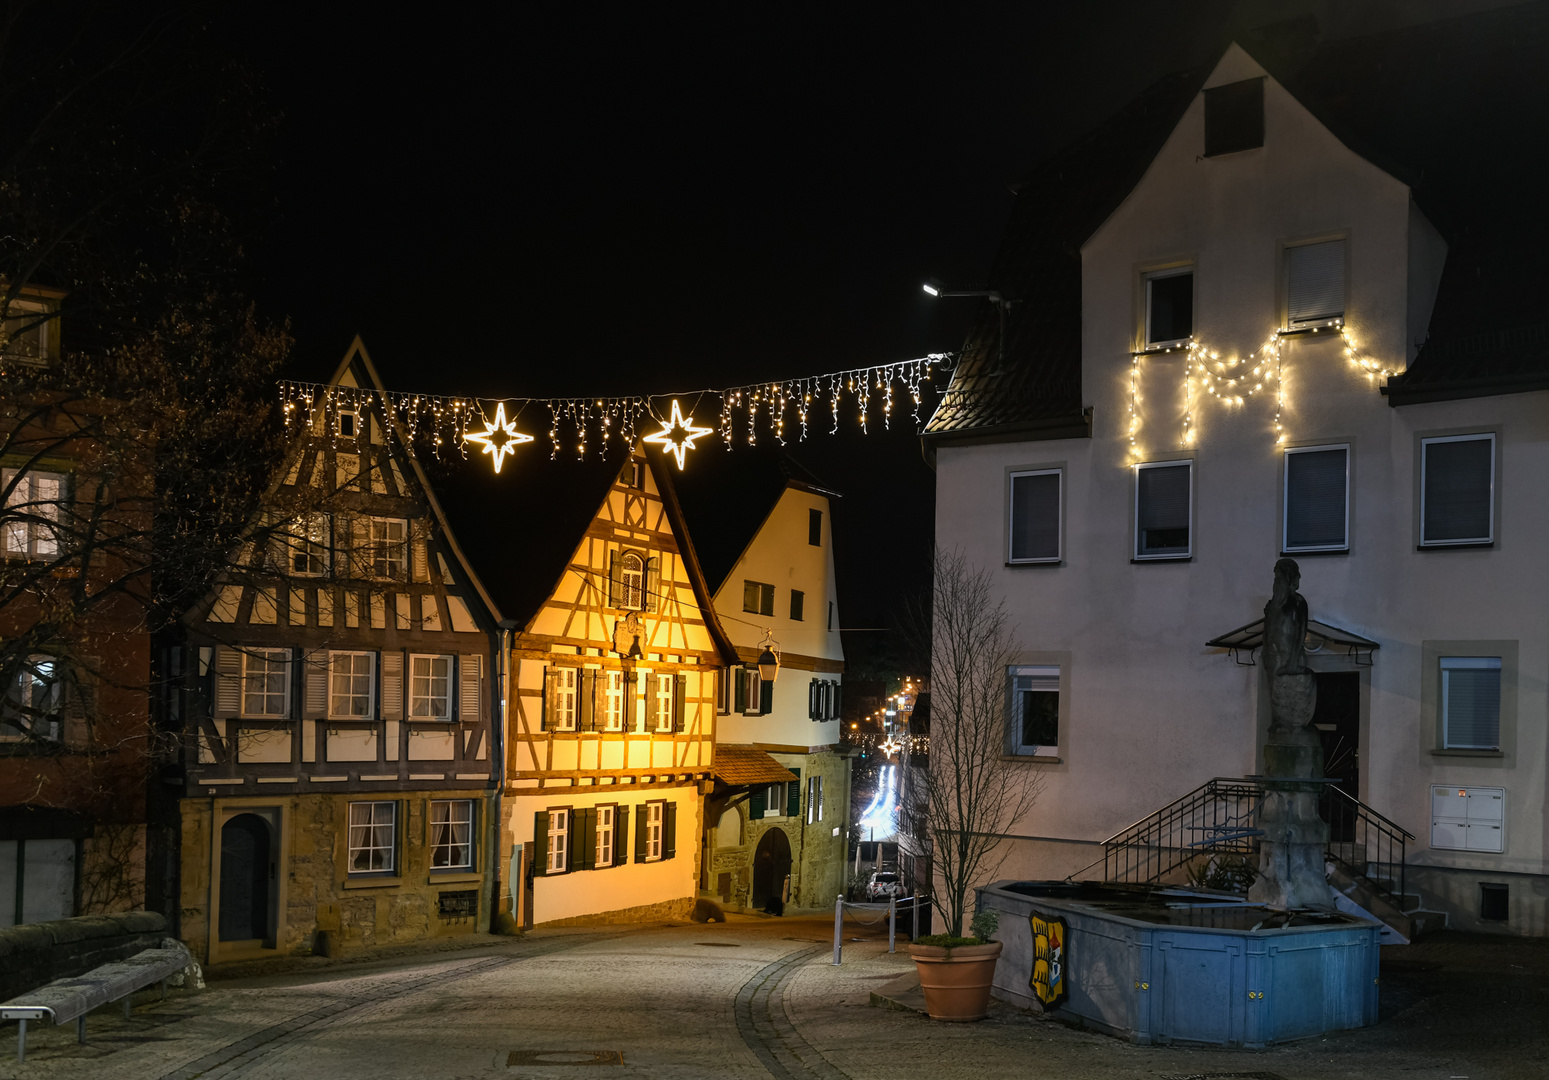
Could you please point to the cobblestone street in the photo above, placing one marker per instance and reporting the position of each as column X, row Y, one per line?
column 750, row 999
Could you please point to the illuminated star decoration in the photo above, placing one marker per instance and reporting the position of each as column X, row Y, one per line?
column 499, row 438
column 677, row 434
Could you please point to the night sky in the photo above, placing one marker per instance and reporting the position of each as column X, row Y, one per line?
column 543, row 200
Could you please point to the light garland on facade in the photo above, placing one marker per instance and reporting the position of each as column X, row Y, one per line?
column 783, row 409
column 1233, row 382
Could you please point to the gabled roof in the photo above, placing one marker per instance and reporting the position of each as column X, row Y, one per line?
column 727, row 497
column 1454, row 108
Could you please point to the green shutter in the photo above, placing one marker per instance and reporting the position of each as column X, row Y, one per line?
column 653, row 583
column 547, row 708
column 652, row 703
column 793, row 796
column 670, row 830
column 679, row 692
column 640, row 836
column 540, row 843
column 587, row 705
column 765, row 697
column 757, row 804
column 631, row 680
column 620, row 835
column 615, row 589
column 742, row 690
column 583, row 839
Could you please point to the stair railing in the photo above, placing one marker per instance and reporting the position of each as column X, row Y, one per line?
column 1375, row 844
column 1218, row 816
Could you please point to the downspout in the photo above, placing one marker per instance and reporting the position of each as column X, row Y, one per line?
column 497, row 749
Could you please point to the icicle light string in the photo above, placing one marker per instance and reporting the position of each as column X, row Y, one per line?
column 1234, row 381
column 781, row 409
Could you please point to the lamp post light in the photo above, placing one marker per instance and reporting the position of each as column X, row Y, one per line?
column 994, row 296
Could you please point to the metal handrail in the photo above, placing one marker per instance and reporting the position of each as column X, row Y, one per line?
column 1369, row 812
column 1157, row 813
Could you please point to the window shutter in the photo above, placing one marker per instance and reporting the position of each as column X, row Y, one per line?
column 1234, row 117
column 793, row 796
column 360, row 547
column 765, row 697
column 1035, row 516
column 640, row 835
column 583, row 839
column 540, row 842
column 80, row 699
column 1457, row 491
column 679, row 693
column 758, row 802
column 392, row 684
column 741, row 675
column 615, row 586
column 652, row 703
column 228, row 681
column 669, row 830
column 548, row 699
column 653, row 582
column 631, row 682
column 587, row 706
column 1315, row 499
column 421, row 553
column 813, row 697
column 620, row 835
column 314, row 684
column 1163, row 511
column 470, row 668
column 1315, row 282
column 838, row 700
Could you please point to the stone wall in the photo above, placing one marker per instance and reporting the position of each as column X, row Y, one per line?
column 678, row 909
column 34, row 954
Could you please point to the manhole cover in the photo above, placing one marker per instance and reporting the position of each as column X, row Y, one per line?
column 1223, row 1076
column 719, row 944
column 564, row 1057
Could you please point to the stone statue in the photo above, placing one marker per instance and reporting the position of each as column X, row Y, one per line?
column 1291, row 873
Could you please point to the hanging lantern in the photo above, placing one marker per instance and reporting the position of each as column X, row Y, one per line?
column 769, row 660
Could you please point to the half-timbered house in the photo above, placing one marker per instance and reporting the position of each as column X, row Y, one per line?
column 612, row 686
column 338, row 693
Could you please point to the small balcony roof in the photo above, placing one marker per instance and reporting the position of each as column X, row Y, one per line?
column 1321, row 637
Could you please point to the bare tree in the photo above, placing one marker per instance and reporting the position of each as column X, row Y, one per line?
column 973, row 793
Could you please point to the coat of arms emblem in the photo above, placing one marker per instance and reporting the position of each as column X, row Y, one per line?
column 1048, row 979
column 626, row 635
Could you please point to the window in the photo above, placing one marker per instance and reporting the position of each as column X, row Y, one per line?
column 32, row 699
column 266, row 683
column 662, row 687
column 633, row 475
column 1317, row 499
column 725, row 679
column 774, row 800
column 1035, row 516
column 1034, row 710
column 30, row 334
column 564, row 698
column 613, row 701
column 814, row 799
column 1234, row 117
column 350, row 675
column 654, row 815
column 559, row 842
column 373, row 837
column 631, row 581
column 1468, row 818
column 386, row 551
column 1457, row 490
column 1494, row 901
column 1471, row 702
column 605, row 836
column 347, row 423
column 758, row 598
column 750, row 692
column 451, row 834
column 815, row 528
column 347, row 471
column 1163, row 509
column 1169, row 307
column 430, row 687
column 33, row 513
column 304, row 543
column 1314, row 283
column 798, row 603
column 823, row 699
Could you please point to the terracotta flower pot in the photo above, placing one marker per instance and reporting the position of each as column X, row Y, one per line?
column 956, row 981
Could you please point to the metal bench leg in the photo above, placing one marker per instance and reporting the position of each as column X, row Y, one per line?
column 21, row 1042
column 80, row 1029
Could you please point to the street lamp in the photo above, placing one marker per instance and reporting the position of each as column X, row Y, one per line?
column 995, row 296
column 769, row 659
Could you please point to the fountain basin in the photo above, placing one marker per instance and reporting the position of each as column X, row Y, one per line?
column 1155, row 964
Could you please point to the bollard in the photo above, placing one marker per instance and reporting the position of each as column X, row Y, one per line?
column 838, row 925
column 892, row 922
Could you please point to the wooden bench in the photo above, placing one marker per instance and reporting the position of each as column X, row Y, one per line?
column 64, row 1000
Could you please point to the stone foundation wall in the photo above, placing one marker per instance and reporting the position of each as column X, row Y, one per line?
column 34, row 954
column 679, row 909
column 1457, row 892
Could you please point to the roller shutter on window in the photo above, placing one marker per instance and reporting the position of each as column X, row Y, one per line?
column 1471, row 702
column 1316, row 499
column 1458, row 496
column 1162, row 510
column 1315, row 283
column 1035, row 516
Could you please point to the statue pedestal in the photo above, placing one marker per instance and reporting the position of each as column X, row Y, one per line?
column 1291, row 867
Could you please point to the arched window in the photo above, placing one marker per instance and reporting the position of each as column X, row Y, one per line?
column 632, row 580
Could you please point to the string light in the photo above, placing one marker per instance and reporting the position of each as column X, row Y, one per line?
column 588, row 423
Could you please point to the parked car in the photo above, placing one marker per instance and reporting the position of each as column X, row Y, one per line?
column 883, row 884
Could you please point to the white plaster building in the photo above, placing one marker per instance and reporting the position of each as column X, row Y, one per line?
column 1133, row 500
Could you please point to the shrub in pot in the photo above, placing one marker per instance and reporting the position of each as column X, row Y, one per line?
column 956, row 972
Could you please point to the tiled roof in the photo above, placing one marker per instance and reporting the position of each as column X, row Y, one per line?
column 739, row 765
column 1454, row 108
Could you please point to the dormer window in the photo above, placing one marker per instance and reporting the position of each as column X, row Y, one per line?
column 1234, row 117
column 347, row 423
column 1169, row 307
column 31, row 332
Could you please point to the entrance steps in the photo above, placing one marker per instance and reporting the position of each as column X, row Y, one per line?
column 1400, row 913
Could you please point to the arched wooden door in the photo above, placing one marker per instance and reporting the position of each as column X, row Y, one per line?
column 246, row 856
column 771, row 865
